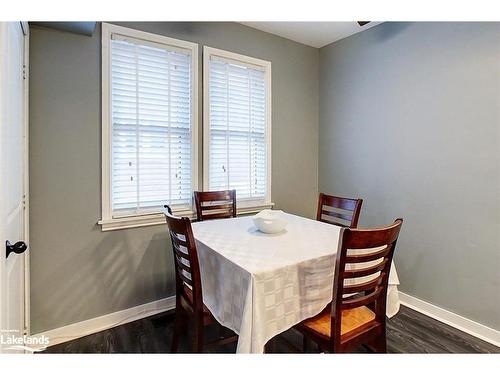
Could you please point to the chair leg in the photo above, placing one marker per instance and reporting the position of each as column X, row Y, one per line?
column 380, row 344
column 198, row 336
column 305, row 344
column 179, row 326
column 270, row 346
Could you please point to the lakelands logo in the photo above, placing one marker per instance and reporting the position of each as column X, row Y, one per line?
column 10, row 340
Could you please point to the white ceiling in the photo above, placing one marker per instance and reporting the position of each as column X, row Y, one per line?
column 315, row 34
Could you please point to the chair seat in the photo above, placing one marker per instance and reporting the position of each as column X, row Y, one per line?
column 352, row 319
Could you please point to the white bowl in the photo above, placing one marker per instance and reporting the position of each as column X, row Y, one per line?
column 270, row 221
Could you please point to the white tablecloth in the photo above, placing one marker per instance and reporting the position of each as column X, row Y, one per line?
column 260, row 285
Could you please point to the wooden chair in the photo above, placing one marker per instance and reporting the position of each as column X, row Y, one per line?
column 356, row 315
column 215, row 204
column 188, row 293
column 350, row 218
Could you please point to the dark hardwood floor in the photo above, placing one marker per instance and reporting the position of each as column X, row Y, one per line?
column 407, row 332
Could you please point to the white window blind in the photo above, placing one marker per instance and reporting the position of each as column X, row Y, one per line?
column 237, row 121
column 151, row 117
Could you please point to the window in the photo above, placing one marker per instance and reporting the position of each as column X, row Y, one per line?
column 237, row 126
column 149, row 126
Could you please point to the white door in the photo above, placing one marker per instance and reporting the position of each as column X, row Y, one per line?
column 12, row 181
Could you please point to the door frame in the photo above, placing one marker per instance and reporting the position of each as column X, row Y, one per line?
column 25, row 311
column 26, row 71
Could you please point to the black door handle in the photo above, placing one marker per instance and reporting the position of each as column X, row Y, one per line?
column 18, row 248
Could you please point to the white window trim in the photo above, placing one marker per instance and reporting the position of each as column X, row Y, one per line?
column 248, row 205
column 107, row 221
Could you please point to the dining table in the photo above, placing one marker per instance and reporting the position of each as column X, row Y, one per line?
column 260, row 285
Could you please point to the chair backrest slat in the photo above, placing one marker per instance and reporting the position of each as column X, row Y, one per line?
column 362, row 269
column 187, row 270
column 366, row 271
column 215, row 204
column 225, row 206
column 332, row 214
column 180, row 242
column 332, row 208
column 183, row 265
column 362, row 300
column 362, row 287
column 180, row 253
column 362, row 258
column 215, row 215
column 187, row 280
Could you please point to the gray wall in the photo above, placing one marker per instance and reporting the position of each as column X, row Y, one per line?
column 410, row 121
column 79, row 272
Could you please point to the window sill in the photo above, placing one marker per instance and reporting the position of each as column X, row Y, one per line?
column 159, row 218
column 137, row 221
column 245, row 208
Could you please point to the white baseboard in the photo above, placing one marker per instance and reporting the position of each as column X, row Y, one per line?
column 454, row 320
column 101, row 323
